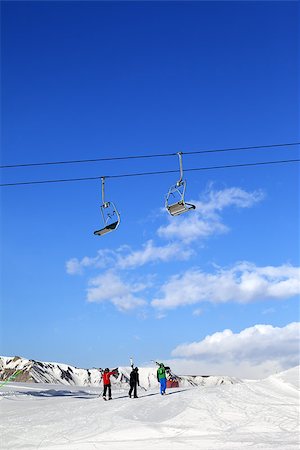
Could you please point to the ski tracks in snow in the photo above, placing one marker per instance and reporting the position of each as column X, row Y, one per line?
column 258, row 415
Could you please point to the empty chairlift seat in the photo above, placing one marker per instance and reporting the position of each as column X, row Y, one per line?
column 175, row 203
column 110, row 216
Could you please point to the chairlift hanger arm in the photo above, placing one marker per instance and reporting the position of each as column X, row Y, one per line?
column 104, row 203
column 180, row 168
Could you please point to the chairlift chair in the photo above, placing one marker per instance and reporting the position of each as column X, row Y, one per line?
column 110, row 215
column 175, row 203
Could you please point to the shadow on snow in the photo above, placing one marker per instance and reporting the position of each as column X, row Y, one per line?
column 76, row 394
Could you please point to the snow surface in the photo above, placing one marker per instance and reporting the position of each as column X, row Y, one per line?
column 250, row 414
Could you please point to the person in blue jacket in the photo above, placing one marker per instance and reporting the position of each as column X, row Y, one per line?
column 162, row 378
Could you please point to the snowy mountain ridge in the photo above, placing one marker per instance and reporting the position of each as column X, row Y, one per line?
column 33, row 371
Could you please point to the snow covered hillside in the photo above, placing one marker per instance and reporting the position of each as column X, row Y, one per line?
column 50, row 372
column 260, row 414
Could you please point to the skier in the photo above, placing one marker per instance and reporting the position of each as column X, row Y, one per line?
column 106, row 382
column 161, row 378
column 134, row 382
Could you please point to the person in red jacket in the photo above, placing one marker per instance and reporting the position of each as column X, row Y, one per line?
column 106, row 382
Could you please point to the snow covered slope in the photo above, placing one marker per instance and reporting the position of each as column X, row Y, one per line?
column 50, row 372
column 261, row 415
column 289, row 378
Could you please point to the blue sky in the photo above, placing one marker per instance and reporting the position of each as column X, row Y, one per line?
column 215, row 290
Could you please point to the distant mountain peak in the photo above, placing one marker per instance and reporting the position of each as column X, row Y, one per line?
column 33, row 371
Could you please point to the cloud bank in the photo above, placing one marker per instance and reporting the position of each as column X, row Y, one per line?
column 257, row 351
column 126, row 258
column 243, row 283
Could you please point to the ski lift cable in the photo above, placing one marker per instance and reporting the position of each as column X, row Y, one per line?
column 118, row 158
column 228, row 166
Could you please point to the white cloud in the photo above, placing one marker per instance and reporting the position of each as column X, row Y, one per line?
column 205, row 220
column 218, row 200
column 160, row 316
column 261, row 347
column 125, row 257
column 242, row 283
column 243, row 369
column 73, row 266
column 109, row 287
column 190, row 228
column 269, row 311
column 152, row 253
column 104, row 258
column 198, row 312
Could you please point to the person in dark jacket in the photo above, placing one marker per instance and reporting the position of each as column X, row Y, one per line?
column 134, row 382
column 106, row 382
